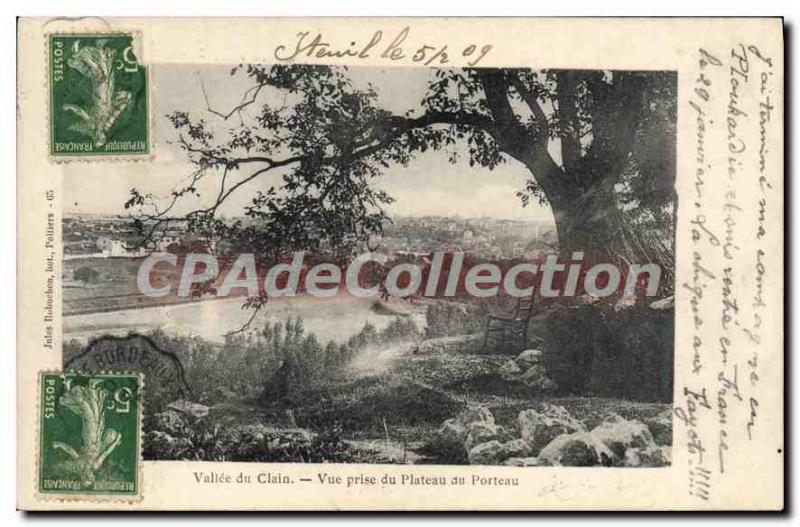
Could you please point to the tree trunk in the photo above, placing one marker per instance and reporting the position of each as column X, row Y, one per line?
column 593, row 224
column 588, row 223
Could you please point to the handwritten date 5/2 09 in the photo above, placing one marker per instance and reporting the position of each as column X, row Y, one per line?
column 390, row 48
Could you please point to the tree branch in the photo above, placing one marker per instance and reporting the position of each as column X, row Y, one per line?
column 249, row 97
column 568, row 112
column 530, row 149
column 539, row 117
column 502, row 125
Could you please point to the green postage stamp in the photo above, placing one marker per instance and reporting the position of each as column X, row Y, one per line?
column 89, row 428
column 98, row 96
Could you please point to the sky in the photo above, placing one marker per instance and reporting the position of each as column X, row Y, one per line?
column 429, row 185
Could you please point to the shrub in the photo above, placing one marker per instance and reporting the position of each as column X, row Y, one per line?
column 203, row 440
column 448, row 319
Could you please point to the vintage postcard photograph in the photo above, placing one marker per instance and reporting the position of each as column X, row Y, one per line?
column 390, row 264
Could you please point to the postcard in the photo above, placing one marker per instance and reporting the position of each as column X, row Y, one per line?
column 400, row 264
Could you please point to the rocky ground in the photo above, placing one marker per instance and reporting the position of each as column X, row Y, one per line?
column 425, row 404
column 548, row 435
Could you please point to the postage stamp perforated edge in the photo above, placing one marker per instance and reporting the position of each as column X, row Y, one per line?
column 94, row 497
column 138, row 42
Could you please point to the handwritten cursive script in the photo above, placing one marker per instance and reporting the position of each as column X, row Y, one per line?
column 393, row 48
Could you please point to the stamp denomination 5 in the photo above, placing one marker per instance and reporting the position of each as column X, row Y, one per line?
column 98, row 96
column 89, row 435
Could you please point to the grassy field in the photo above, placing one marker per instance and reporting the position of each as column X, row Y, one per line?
column 379, row 397
column 391, row 417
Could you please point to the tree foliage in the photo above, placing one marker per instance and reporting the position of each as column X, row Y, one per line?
column 599, row 147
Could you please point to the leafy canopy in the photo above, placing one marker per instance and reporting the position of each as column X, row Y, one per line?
column 596, row 144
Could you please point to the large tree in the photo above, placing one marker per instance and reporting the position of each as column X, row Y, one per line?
column 599, row 147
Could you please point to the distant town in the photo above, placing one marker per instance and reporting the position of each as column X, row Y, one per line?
column 489, row 238
column 101, row 236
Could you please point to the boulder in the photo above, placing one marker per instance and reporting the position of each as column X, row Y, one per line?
column 473, row 414
column 452, row 433
column 516, row 448
column 490, row 453
column 661, row 427
column 495, row 452
column 482, row 432
column 510, row 371
column 540, row 427
column 189, row 408
column 654, row 456
column 536, row 377
column 619, row 434
column 579, row 449
column 664, row 304
column 530, row 357
column 170, row 421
